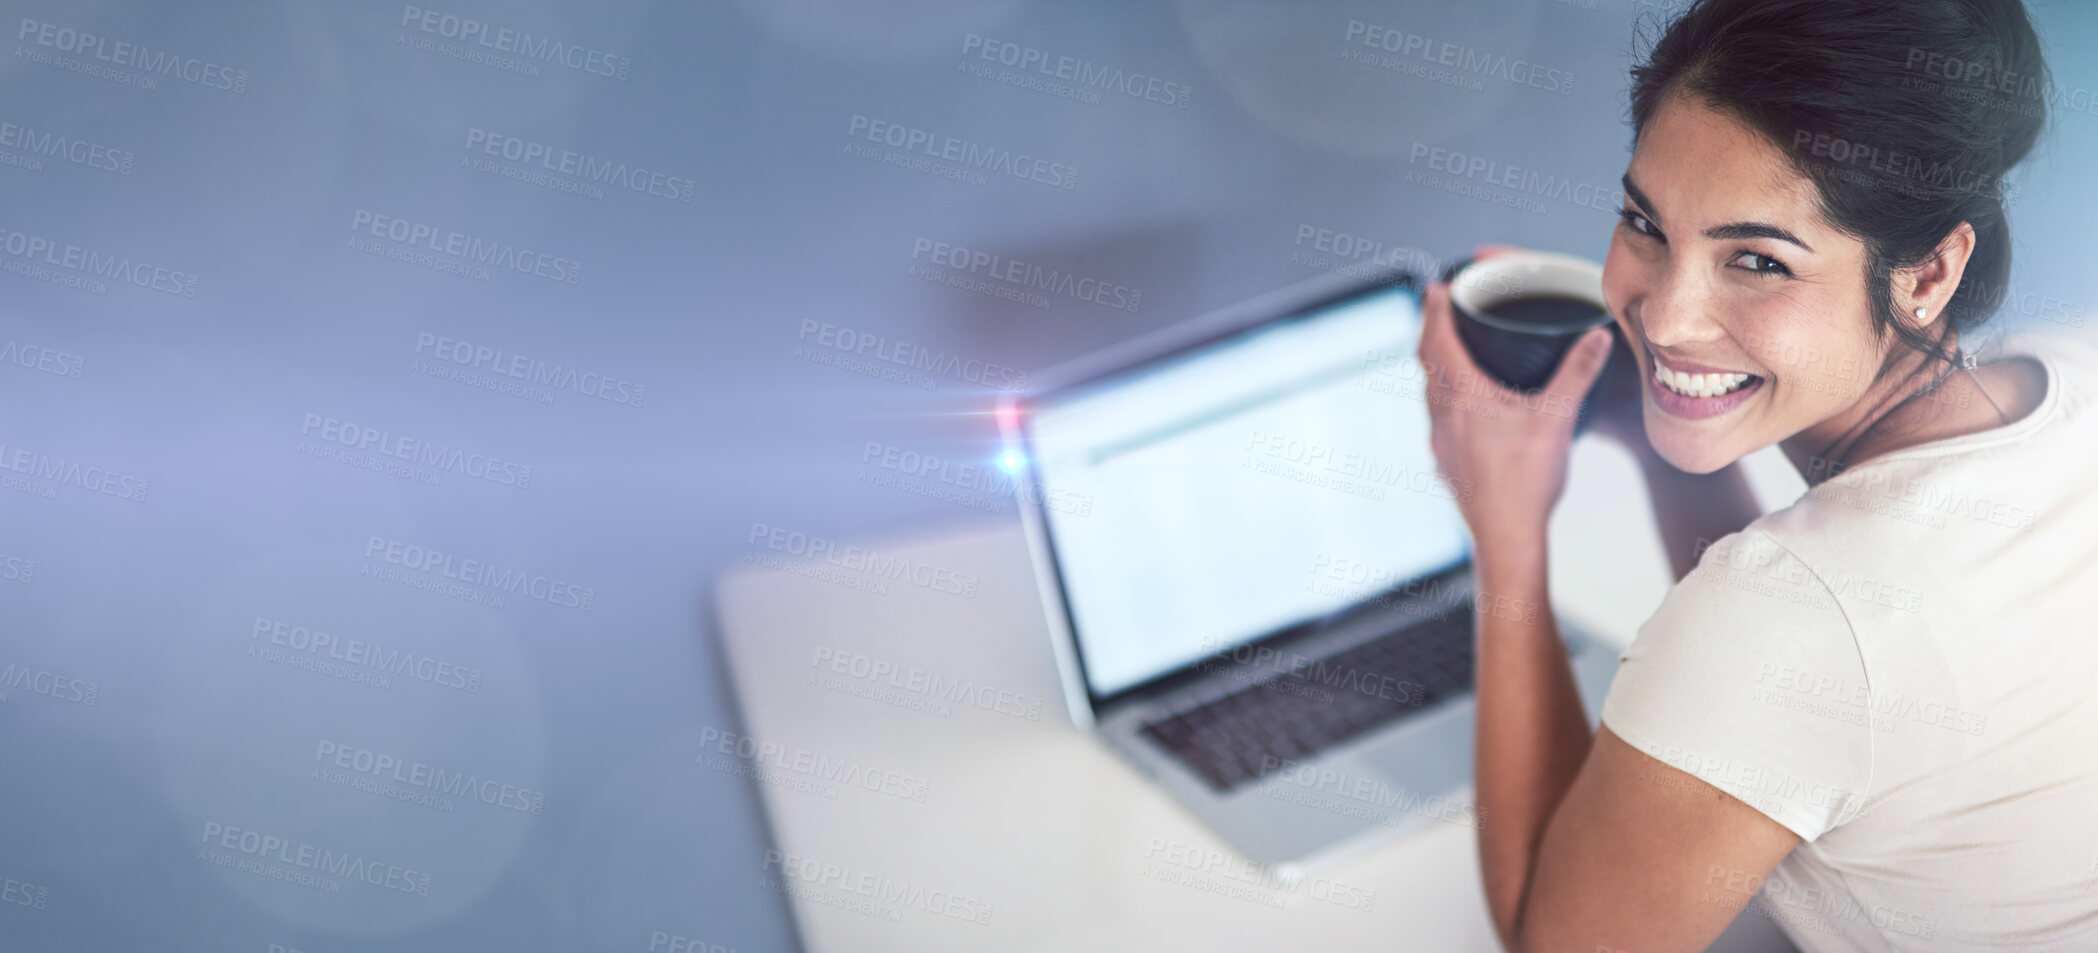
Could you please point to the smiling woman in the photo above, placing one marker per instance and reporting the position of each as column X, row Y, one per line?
column 1866, row 711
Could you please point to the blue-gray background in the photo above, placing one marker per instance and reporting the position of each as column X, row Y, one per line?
column 169, row 496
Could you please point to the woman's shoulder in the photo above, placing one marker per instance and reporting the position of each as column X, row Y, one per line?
column 1756, row 577
column 1728, row 680
column 2071, row 362
column 1873, row 533
column 1748, row 599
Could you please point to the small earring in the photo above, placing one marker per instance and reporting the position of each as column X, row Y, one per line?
column 1919, row 314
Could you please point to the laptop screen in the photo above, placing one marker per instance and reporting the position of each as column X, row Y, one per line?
column 1237, row 489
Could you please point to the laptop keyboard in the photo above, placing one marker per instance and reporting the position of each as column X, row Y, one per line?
column 1291, row 716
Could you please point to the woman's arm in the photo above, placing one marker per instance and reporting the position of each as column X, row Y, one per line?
column 1585, row 844
column 1532, row 735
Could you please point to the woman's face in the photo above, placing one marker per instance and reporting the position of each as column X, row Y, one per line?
column 1747, row 312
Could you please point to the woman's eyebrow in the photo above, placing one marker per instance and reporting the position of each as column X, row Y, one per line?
column 1639, row 197
column 1754, row 230
column 1735, row 230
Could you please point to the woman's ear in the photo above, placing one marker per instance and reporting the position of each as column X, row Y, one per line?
column 1930, row 284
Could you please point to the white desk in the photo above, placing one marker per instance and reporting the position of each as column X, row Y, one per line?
column 1036, row 823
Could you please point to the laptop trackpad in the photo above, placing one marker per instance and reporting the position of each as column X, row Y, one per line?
column 1412, row 769
column 1416, row 766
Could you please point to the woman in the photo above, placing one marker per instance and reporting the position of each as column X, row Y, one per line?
column 1872, row 707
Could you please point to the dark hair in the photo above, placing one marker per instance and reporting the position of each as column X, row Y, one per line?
column 1905, row 114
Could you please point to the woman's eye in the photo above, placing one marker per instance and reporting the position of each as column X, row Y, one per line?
column 1638, row 223
column 1763, row 264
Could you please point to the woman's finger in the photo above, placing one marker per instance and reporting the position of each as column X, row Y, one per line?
column 1579, row 368
column 1436, row 330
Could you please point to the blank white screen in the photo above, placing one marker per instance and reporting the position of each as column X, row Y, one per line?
column 1219, row 481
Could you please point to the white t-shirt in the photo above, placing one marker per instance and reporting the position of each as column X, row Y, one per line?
column 1902, row 668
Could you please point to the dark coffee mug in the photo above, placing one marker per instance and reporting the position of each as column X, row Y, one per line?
column 1519, row 312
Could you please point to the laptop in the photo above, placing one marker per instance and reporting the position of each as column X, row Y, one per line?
column 1259, row 590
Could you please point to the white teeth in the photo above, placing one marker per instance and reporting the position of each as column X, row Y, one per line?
column 1698, row 385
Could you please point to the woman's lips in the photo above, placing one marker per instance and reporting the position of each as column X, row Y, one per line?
column 1699, row 408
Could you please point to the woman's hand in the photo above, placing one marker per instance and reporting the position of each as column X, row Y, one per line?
column 1507, row 450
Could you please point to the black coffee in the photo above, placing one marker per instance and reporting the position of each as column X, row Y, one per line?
column 1520, row 340
column 1544, row 311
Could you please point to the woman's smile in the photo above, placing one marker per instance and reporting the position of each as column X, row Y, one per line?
column 1695, row 391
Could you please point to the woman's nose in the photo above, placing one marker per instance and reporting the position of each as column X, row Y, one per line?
column 1676, row 311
